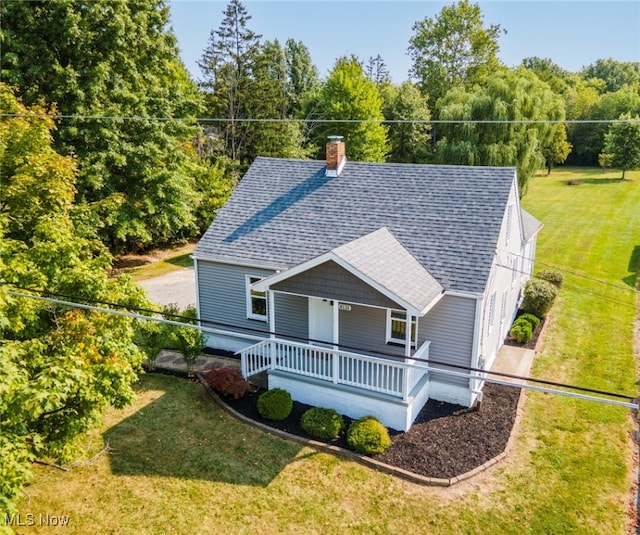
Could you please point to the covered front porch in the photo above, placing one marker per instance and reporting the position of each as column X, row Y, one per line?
column 393, row 389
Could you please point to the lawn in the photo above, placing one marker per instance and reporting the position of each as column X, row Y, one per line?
column 176, row 463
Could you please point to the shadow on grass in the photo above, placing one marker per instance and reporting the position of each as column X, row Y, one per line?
column 182, row 434
column 596, row 181
column 634, row 265
column 184, row 260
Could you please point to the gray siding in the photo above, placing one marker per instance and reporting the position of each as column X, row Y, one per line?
column 292, row 316
column 365, row 327
column 222, row 294
column 449, row 326
column 331, row 281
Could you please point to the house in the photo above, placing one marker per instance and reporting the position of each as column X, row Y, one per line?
column 366, row 287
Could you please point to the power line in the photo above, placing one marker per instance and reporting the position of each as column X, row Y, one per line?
column 313, row 120
column 484, row 375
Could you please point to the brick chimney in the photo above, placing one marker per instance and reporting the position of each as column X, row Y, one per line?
column 335, row 156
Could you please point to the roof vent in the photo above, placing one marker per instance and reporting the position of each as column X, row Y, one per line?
column 335, row 156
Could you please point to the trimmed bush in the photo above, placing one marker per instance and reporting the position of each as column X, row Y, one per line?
column 521, row 331
column 533, row 320
column 368, row 436
column 275, row 404
column 228, row 381
column 538, row 297
column 322, row 423
column 551, row 275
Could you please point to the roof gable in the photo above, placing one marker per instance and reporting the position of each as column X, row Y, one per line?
column 285, row 212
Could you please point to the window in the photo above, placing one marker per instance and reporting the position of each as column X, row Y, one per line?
column 397, row 327
column 509, row 218
column 514, row 271
column 256, row 301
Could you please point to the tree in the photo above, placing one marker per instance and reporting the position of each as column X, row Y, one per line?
column 302, row 75
column 349, row 95
column 132, row 166
column 622, row 144
column 408, row 141
column 454, row 48
column 227, row 64
column 511, row 98
column 549, row 72
column 557, row 149
column 615, row 74
column 60, row 368
column 377, row 71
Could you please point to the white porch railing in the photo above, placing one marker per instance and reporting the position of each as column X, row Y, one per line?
column 339, row 367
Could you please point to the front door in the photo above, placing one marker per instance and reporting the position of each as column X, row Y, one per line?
column 321, row 320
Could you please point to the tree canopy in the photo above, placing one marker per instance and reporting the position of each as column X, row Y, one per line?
column 622, row 144
column 349, row 95
column 59, row 367
column 512, row 99
column 454, row 48
column 113, row 70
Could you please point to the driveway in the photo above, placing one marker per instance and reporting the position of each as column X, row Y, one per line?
column 177, row 287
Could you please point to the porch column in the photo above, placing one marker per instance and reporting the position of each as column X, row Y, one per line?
column 407, row 336
column 271, row 309
column 336, row 327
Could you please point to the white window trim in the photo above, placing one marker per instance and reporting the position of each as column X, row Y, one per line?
column 492, row 311
column 509, row 223
column 249, row 279
column 390, row 340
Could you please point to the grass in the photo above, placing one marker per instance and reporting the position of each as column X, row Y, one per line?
column 179, row 464
column 156, row 263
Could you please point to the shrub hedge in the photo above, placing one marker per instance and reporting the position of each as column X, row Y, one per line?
column 521, row 331
column 322, row 423
column 368, row 436
column 228, row 381
column 551, row 275
column 275, row 404
column 538, row 297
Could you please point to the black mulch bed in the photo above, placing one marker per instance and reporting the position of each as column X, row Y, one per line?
column 445, row 441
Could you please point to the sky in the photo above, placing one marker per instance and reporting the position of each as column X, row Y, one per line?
column 573, row 34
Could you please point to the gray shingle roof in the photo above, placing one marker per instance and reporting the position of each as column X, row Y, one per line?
column 284, row 212
column 530, row 225
column 384, row 260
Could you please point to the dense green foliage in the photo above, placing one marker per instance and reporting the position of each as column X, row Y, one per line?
column 622, row 144
column 275, row 404
column 348, row 94
column 112, row 69
column 553, row 276
column 322, row 423
column 521, row 331
column 538, row 297
column 453, row 49
column 533, row 320
column 368, row 436
column 60, row 368
column 510, row 97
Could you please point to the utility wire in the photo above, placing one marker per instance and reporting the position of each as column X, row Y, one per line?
column 483, row 373
column 319, row 120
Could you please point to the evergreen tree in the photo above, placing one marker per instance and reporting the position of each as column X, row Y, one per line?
column 302, row 75
column 112, row 68
column 227, row 65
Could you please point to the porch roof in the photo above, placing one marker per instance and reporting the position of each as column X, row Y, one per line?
column 382, row 262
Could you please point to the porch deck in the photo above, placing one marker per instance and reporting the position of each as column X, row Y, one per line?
column 393, row 377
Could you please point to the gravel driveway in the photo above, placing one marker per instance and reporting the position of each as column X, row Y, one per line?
column 177, row 287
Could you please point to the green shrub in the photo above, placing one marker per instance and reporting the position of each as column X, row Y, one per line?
column 368, row 436
column 533, row 320
column 551, row 275
column 538, row 297
column 275, row 404
column 521, row 331
column 322, row 423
